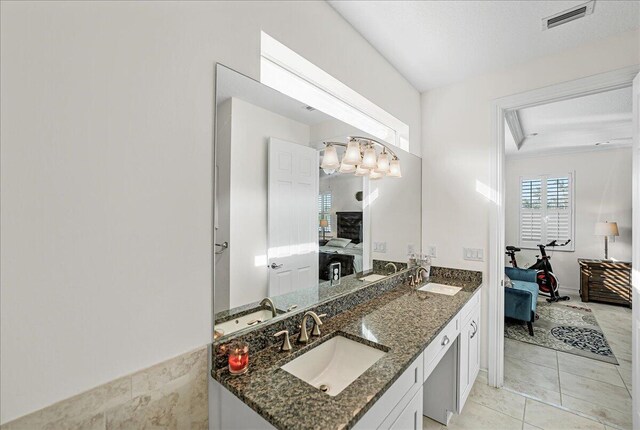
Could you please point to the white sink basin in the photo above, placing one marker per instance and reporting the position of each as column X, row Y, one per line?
column 334, row 364
column 239, row 323
column 432, row 287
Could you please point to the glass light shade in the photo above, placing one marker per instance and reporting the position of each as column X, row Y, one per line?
column 330, row 159
column 352, row 155
column 369, row 159
column 394, row 169
column 346, row 168
column 329, row 171
column 375, row 175
column 361, row 171
column 383, row 162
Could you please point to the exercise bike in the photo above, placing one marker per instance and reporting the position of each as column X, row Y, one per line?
column 547, row 281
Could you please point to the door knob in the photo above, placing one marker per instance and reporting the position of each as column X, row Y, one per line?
column 276, row 266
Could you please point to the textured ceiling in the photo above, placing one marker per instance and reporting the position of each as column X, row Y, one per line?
column 436, row 43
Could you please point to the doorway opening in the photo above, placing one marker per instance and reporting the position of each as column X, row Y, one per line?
column 540, row 199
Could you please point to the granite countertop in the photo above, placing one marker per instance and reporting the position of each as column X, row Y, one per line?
column 401, row 320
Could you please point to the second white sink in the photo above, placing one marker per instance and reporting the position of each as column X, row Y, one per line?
column 334, row 364
column 447, row 290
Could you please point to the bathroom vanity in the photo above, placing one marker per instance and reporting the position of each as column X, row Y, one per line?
column 429, row 360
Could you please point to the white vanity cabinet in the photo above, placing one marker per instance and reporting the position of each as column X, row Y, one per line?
column 469, row 349
column 396, row 406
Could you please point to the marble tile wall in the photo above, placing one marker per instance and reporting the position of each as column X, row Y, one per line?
column 170, row 395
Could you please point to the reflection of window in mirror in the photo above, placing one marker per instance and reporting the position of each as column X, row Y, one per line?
column 324, row 214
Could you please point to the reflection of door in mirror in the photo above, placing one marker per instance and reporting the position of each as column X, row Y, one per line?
column 293, row 187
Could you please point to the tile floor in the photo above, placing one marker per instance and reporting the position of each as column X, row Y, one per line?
column 501, row 409
column 589, row 394
column 590, row 387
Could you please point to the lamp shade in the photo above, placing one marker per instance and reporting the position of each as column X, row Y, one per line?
column 324, row 223
column 383, row 162
column 330, row 160
column 375, row 175
column 606, row 229
column 352, row 154
column 369, row 160
column 346, row 168
column 394, row 169
column 361, row 171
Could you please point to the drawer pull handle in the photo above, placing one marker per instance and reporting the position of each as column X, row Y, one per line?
column 475, row 329
column 445, row 341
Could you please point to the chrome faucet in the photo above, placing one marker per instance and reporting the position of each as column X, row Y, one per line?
column 395, row 268
column 304, row 336
column 269, row 303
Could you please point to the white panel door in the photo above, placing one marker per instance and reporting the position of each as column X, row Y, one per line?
column 293, row 217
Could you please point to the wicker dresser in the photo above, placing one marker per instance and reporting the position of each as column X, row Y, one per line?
column 605, row 281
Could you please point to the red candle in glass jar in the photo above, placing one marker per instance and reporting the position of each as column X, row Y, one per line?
column 238, row 358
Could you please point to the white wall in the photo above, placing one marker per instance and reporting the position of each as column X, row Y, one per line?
column 251, row 128
column 457, row 143
column 602, row 189
column 106, row 111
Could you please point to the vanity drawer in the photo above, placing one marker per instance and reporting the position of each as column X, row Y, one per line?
column 469, row 306
column 395, row 400
column 440, row 345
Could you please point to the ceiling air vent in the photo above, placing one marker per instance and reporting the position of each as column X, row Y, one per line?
column 565, row 16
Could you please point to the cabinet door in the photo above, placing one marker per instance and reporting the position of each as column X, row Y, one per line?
column 469, row 361
column 411, row 416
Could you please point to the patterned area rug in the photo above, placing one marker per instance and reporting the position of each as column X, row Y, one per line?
column 564, row 327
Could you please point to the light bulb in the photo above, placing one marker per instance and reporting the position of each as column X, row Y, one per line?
column 352, row 155
column 330, row 160
column 369, row 159
column 383, row 162
column 375, row 175
column 394, row 169
column 361, row 171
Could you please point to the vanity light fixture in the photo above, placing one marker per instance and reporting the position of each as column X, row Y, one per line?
column 360, row 158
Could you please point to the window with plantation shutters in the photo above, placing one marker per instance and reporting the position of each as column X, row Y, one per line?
column 324, row 210
column 546, row 210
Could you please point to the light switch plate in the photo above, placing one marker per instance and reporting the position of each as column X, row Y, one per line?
column 473, row 254
column 380, row 247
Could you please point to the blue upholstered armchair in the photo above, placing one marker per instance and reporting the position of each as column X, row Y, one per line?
column 520, row 300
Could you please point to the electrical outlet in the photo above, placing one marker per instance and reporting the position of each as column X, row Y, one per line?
column 431, row 251
column 380, row 247
column 473, row 254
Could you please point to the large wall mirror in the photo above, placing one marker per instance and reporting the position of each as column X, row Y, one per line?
column 290, row 214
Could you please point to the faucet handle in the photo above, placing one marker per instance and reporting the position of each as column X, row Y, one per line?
column 316, row 326
column 286, row 345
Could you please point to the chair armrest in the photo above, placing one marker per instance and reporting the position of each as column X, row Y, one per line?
column 517, row 304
